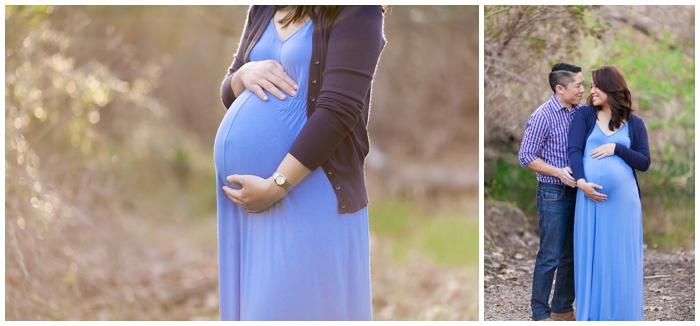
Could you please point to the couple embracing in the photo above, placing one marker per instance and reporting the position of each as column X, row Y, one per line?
column 588, row 198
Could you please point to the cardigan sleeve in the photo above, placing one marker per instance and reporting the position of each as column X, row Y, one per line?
column 577, row 141
column 355, row 43
column 227, row 96
column 638, row 156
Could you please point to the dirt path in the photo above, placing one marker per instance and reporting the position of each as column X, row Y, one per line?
column 509, row 259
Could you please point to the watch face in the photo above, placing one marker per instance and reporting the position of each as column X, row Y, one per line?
column 279, row 180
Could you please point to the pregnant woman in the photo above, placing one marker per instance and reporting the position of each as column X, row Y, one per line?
column 607, row 143
column 289, row 154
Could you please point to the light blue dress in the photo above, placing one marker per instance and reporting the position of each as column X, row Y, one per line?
column 608, row 264
column 300, row 259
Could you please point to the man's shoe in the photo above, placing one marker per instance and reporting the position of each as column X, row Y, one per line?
column 564, row 316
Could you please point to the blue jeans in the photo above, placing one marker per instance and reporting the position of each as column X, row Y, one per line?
column 556, row 207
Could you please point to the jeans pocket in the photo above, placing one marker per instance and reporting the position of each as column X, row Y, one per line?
column 550, row 194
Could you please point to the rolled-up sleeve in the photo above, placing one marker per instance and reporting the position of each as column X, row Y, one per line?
column 536, row 131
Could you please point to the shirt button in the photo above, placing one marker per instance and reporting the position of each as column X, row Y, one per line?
column 330, row 172
column 316, row 62
column 337, row 187
column 342, row 205
column 313, row 99
column 313, row 81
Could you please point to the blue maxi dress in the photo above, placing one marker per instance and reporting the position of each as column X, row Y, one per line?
column 608, row 243
column 300, row 259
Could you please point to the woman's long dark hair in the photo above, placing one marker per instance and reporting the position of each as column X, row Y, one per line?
column 611, row 81
column 298, row 12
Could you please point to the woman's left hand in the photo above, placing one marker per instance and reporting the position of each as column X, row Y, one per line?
column 603, row 151
column 256, row 194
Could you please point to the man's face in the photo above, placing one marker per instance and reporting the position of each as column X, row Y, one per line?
column 573, row 93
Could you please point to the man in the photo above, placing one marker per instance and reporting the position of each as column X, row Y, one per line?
column 544, row 150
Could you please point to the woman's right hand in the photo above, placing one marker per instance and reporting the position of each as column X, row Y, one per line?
column 589, row 189
column 261, row 76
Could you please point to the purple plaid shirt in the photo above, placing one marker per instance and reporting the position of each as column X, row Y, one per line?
column 546, row 137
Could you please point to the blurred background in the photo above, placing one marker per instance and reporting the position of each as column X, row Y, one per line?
column 654, row 47
column 110, row 118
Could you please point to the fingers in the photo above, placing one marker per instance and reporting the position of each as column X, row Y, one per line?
column 257, row 90
column 596, row 196
column 589, row 189
column 566, row 177
column 569, row 182
column 277, row 79
column 234, row 195
column 568, row 169
column 284, row 82
column 270, row 76
column 235, row 178
column 603, row 151
column 599, row 155
column 270, row 88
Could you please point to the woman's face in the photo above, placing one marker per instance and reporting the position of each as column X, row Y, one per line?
column 599, row 97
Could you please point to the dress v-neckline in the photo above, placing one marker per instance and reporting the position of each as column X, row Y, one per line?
column 277, row 33
column 614, row 132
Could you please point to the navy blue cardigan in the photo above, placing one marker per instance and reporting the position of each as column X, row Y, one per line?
column 636, row 156
column 344, row 56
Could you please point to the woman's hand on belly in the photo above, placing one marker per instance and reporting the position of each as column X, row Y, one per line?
column 261, row 76
column 603, row 151
column 256, row 194
column 589, row 189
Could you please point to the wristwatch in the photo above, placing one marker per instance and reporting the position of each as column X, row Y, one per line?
column 281, row 181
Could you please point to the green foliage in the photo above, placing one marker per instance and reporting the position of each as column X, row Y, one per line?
column 507, row 181
column 450, row 238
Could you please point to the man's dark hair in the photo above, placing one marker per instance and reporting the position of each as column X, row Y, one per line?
column 562, row 74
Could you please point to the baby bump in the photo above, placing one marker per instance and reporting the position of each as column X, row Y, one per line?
column 611, row 172
column 255, row 135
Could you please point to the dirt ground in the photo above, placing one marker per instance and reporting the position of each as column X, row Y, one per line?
column 509, row 259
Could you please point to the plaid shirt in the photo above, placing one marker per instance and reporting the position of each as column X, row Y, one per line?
column 546, row 137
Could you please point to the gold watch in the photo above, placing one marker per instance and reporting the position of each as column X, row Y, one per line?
column 281, row 181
